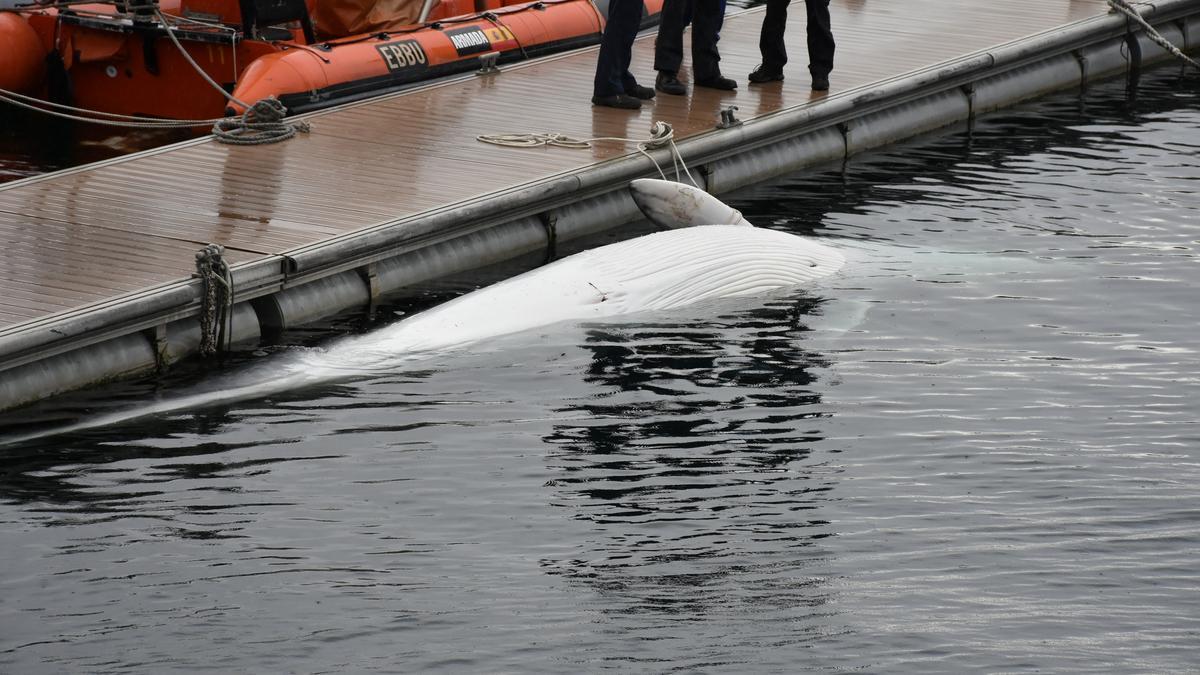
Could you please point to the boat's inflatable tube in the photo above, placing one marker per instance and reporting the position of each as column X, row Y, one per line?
column 306, row 77
column 22, row 59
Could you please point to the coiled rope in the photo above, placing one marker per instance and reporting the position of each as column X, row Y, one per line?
column 262, row 123
column 1130, row 11
column 216, row 302
column 661, row 135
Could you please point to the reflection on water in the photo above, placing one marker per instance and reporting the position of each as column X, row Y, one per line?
column 32, row 144
column 698, row 452
column 975, row 451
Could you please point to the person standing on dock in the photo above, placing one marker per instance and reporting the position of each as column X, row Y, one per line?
column 615, row 86
column 707, row 16
column 774, row 53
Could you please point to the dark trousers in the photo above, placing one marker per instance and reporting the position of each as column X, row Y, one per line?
column 616, row 48
column 820, row 36
column 707, row 18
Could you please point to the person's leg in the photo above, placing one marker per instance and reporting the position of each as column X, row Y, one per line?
column 624, row 17
column 706, row 23
column 627, row 77
column 628, row 81
column 668, row 46
column 820, row 39
column 770, row 40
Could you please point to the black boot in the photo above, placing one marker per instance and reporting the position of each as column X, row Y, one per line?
column 638, row 91
column 764, row 73
column 717, row 82
column 617, row 101
column 667, row 83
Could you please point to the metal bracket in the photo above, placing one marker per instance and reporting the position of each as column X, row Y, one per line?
column 1083, row 68
column 143, row 11
column 1135, row 60
column 844, row 127
column 968, row 90
column 550, row 222
column 370, row 274
column 487, row 63
column 157, row 336
column 727, row 118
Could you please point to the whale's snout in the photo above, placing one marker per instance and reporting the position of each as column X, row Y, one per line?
column 674, row 205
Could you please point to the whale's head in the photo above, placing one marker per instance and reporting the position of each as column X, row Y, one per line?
column 674, row 205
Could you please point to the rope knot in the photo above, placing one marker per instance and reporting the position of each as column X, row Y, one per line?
column 266, row 111
column 661, row 134
column 262, row 123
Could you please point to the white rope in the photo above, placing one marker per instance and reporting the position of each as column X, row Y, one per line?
column 1131, row 12
column 661, row 134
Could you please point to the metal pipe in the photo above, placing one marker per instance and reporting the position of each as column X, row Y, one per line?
column 426, row 8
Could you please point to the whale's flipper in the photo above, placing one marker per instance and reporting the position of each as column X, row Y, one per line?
column 674, row 205
column 842, row 316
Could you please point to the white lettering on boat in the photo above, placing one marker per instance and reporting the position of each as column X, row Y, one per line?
column 469, row 40
column 403, row 54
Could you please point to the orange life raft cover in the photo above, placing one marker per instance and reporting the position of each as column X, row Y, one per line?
column 335, row 18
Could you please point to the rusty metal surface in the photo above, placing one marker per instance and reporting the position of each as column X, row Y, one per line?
column 89, row 235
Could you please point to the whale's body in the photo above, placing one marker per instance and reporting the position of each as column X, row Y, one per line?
column 655, row 272
column 651, row 273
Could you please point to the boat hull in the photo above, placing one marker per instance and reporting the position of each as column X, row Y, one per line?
column 308, row 79
column 23, row 58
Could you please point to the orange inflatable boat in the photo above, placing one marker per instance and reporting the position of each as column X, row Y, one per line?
column 150, row 57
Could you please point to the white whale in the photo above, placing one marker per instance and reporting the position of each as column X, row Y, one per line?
column 652, row 273
column 655, row 272
column 713, row 253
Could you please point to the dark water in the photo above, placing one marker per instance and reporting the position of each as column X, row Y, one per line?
column 33, row 144
column 977, row 450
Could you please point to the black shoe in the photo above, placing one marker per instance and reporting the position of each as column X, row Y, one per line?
column 667, row 83
column 638, row 91
column 617, row 101
column 718, row 82
column 820, row 83
column 763, row 74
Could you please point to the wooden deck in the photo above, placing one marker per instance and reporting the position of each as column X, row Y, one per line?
column 88, row 235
